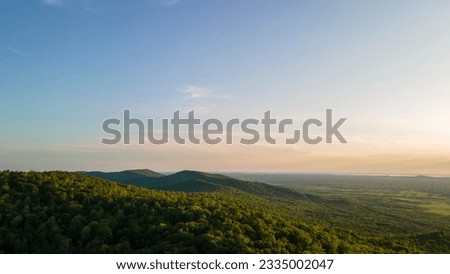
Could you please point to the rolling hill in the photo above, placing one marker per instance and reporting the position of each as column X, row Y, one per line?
column 195, row 181
column 138, row 177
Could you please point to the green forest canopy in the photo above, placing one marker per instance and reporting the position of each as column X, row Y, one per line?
column 68, row 212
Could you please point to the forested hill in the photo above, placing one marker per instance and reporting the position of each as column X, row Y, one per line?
column 137, row 177
column 194, row 181
column 63, row 212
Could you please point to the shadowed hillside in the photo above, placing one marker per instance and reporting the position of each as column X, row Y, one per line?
column 195, row 181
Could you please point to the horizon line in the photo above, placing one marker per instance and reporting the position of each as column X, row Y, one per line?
column 253, row 172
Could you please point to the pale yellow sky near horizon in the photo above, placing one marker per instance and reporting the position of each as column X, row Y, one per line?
column 354, row 157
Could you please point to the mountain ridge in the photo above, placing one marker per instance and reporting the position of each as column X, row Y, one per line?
column 194, row 181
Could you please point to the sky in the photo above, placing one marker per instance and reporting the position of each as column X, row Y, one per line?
column 68, row 65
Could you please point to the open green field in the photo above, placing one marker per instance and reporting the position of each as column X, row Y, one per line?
column 373, row 205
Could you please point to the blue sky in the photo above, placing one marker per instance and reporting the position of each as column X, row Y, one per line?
column 67, row 65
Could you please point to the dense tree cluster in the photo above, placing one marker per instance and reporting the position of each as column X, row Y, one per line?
column 63, row 212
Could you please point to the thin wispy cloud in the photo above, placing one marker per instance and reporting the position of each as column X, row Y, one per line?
column 53, row 2
column 87, row 6
column 170, row 2
column 192, row 92
column 15, row 51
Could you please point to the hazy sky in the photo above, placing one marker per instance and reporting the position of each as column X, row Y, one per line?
column 67, row 65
